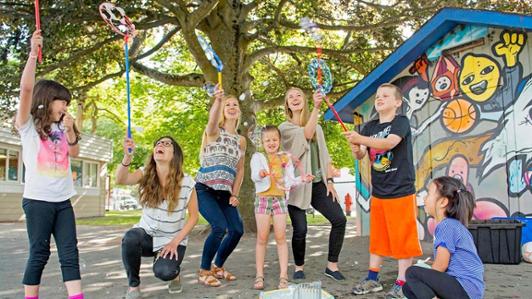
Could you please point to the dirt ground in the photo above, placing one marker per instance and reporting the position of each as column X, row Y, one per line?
column 103, row 275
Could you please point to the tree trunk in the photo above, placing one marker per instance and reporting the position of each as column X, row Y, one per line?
column 223, row 29
column 248, row 187
column 79, row 115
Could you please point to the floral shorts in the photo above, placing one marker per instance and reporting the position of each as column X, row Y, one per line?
column 270, row 205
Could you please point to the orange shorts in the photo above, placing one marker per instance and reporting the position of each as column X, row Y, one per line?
column 393, row 227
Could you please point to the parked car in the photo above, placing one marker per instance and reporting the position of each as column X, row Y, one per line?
column 128, row 203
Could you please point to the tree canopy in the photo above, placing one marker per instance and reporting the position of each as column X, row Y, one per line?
column 261, row 44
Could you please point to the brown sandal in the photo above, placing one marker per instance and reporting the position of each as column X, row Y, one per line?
column 283, row 283
column 207, row 278
column 259, row 283
column 221, row 273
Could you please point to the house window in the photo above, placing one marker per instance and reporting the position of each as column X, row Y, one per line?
column 8, row 165
column 77, row 174
column 91, row 174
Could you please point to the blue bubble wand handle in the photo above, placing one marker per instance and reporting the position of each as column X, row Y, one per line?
column 128, row 89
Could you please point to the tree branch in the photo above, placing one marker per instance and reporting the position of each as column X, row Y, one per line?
column 378, row 6
column 90, row 85
column 179, row 11
column 160, row 44
column 205, row 9
column 112, row 115
column 277, row 14
column 189, row 80
column 251, row 59
column 337, row 27
column 248, row 8
column 76, row 55
column 278, row 72
column 195, row 49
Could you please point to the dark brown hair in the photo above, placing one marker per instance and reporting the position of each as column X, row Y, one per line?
column 460, row 201
column 152, row 193
column 44, row 93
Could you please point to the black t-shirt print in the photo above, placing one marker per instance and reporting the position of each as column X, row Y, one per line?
column 392, row 172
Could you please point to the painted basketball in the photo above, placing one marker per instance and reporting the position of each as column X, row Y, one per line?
column 459, row 116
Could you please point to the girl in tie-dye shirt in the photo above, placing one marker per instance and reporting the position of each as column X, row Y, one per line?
column 49, row 138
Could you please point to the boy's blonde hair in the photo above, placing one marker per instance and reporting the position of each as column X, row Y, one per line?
column 396, row 90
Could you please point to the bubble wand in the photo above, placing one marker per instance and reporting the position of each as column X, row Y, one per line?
column 319, row 72
column 38, row 26
column 116, row 18
column 357, row 121
column 213, row 58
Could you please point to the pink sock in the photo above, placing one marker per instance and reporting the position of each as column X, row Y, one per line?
column 31, row 297
column 78, row 296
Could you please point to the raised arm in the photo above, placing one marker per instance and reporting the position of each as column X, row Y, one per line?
column 27, row 81
column 214, row 114
column 310, row 127
column 123, row 176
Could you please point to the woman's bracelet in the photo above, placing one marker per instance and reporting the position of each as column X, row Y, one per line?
column 125, row 165
column 73, row 143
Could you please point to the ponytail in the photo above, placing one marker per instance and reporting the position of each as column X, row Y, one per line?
column 460, row 201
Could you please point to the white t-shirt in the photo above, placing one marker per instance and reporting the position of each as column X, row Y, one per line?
column 48, row 174
column 163, row 227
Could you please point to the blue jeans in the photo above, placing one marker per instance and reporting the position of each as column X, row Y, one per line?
column 44, row 219
column 215, row 208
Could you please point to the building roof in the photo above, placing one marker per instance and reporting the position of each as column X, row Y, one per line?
column 430, row 33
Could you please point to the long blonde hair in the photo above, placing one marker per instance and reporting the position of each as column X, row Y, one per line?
column 152, row 193
column 221, row 121
column 304, row 112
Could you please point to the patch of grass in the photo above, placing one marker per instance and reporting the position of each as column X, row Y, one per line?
column 119, row 218
column 316, row 219
column 129, row 218
column 113, row 218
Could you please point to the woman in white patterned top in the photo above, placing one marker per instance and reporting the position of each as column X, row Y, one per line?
column 166, row 193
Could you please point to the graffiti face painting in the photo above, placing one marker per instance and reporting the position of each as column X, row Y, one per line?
column 479, row 77
column 444, row 81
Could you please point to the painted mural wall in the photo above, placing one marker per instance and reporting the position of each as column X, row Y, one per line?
column 469, row 101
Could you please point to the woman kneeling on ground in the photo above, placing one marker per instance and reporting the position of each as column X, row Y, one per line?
column 165, row 195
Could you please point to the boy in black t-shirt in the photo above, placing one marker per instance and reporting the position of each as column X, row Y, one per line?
column 393, row 227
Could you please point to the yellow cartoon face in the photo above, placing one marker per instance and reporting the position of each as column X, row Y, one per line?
column 479, row 77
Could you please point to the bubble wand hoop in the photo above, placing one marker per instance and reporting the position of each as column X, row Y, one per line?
column 319, row 72
column 116, row 18
column 213, row 58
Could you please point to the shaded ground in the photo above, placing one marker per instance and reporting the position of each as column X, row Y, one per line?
column 103, row 275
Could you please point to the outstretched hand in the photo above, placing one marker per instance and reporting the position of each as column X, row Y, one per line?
column 219, row 93
column 318, row 97
column 36, row 42
column 129, row 146
column 353, row 137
